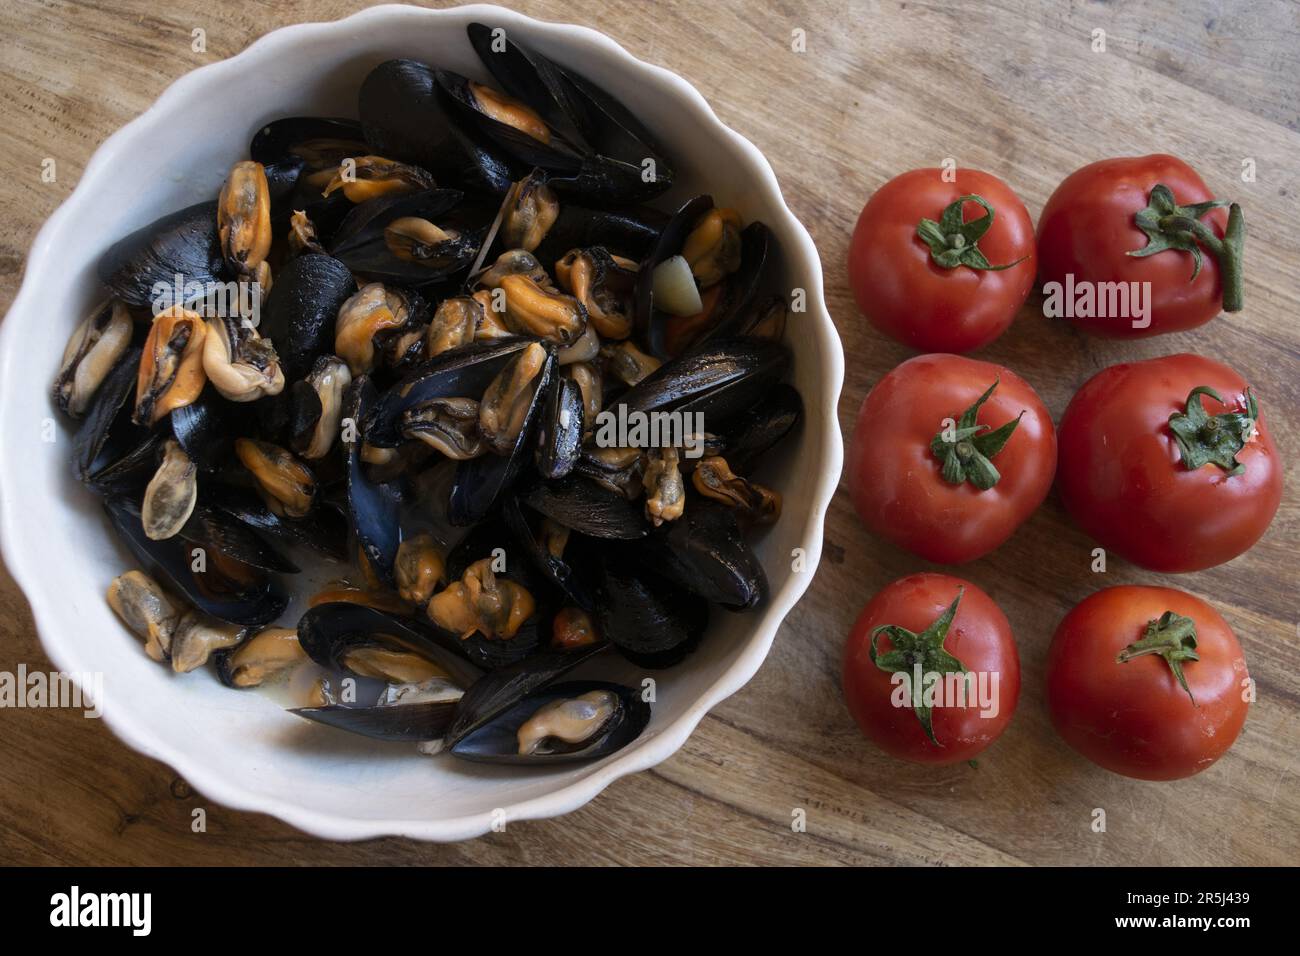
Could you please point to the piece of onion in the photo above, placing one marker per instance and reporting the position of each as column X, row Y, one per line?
column 675, row 291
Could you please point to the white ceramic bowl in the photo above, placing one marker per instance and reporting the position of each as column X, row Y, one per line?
column 239, row 748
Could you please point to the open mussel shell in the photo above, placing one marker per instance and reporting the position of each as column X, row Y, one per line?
column 183, row 243
column 300, row 312
column 481, row 482
column 106, row 432
column 629, row 231
column 318, row 142
column 414, row 723
column 497, row 740
column 328, row 631
column 754, row 432
column 362, row 241
column 560, row 570
column 374, row 508
column 646, row 616
column 209, row 527
column 325, row 531
column 463, row 372
column 581, row 504
column 560, row 429
column 213, row 582
column 737, row 310
column 498, row 691
column 493, row 538
column 719, row 381
column 613, row 143
column 406, row 116
column 704, row 552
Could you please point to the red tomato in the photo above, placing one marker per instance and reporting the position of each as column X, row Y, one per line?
column 898, row 280
column 1120, row 702
column 1126, row 480
column 1089, row 228
column 902, row 488
column 910, row 625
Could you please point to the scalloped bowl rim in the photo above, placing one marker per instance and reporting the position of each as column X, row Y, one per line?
column 803, row 260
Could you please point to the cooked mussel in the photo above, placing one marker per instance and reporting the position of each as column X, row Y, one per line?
column 368, row 642
column 93, row 351
column 617, row 158
column 405, row 115
column 196, row 565
column 171, row 369
column 146, row 609
column 563, row 723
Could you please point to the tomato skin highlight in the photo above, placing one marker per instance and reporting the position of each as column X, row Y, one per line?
column 1134, row 718
column 979, row 637
column 1087, row 229
column 910, row 298
column 897, row 485
column 1122, row 479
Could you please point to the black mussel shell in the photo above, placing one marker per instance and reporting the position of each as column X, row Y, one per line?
column 205, row 429
column 481, row 482
column 374, row 508
column 128, row 474
column 612, row 141
column 325, row 532
column 645, row 614
column 182, row 243
column 252, row 598
column 757, row 430
column 704, row 552
column 563, row 573
column 360, row 242
column 464, row 372
column 719, row 381
column 558, row 156
column 299, row 138
column 559, row 431
column 327, row 631
column 496, row 653
column 501, row 689
column 587, row 507
column 281, row 184
column 496, row 741
column 413, row 723
column 628, row 231
column 407, row 117
column 107, row 432
column 301, row 310
column 212, row 528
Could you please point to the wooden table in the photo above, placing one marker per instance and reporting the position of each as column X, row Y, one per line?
column 1012, row 87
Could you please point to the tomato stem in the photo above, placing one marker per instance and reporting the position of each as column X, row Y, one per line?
column 1168, row 225
column 1213, row 439
column 965, row 454
column 910, row 651
column 1171, row 636
column 954, row 242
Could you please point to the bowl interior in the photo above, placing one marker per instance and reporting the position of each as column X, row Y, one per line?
column 242, row 749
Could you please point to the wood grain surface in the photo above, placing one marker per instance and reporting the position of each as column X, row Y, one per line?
column 1012, row 87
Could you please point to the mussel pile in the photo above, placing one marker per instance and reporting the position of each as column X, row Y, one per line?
column 454, row 354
